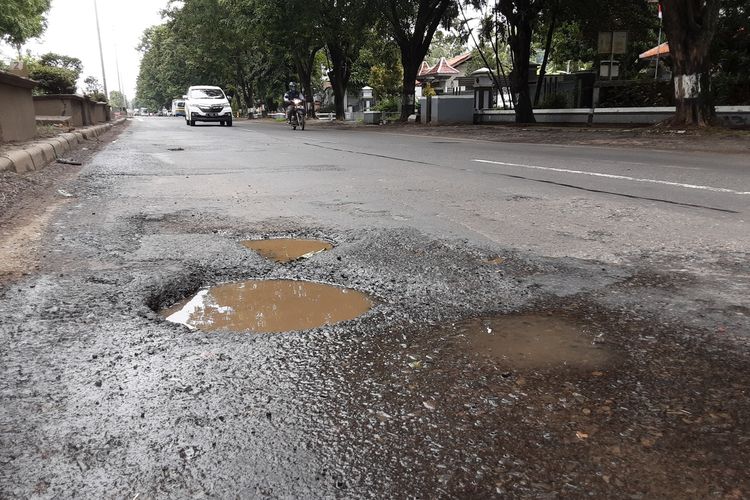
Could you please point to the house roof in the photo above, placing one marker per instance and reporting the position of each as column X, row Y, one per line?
column 455, row 61
column 660, row 51
column 442, row 68
column 423, row 69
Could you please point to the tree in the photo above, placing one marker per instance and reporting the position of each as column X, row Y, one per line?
column 342, row 24
column 301, row 37
column 56, row 73
column 92, row 85
column 117, row 99
column 21, row 20
column 690, row 26
column 52, row 80
column 730, row 54
column 445, row 44
column 413, row 24
column 62, row 61
column 521, row 17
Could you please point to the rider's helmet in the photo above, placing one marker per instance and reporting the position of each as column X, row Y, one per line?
column 292, row 86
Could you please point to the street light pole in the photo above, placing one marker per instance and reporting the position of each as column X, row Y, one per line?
column 101, row 52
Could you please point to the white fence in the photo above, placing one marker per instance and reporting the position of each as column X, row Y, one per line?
column 732, row 116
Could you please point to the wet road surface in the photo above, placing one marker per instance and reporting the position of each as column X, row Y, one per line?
column 638, row 259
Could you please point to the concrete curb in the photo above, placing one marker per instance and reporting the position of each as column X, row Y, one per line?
column 36, row 156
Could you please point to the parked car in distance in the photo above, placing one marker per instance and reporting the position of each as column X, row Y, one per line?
column 178, row 107
column 206, row 103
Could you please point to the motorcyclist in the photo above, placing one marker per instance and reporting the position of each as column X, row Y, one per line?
column 289, row 97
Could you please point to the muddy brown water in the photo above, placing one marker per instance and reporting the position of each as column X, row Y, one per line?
column 287, row 249
column 534, row 341
column 268, row 306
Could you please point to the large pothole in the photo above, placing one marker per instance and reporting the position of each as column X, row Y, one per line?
column 267, row 306
column 534, row 341
column 287, row 249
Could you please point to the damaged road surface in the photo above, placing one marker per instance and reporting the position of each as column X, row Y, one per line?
column 537, row 321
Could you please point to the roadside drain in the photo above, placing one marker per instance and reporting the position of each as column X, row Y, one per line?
column 269, row 306
column 533, row 341
column 287, row 249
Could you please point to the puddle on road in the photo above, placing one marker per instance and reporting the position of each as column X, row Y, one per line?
column 287, row 249
column 533, row 341
column 268, row 306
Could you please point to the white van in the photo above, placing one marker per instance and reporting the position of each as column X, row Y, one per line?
column 205, row 103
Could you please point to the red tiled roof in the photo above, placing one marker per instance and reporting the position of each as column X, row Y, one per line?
column 455, row 61
column 423, row 69
column 442, row 68
column 662, row 50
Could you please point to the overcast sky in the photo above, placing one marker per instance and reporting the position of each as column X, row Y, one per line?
column 71, row 30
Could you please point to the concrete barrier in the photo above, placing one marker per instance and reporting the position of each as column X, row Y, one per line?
column 20, row 159
column 37, row 155
column 80, row 111
column 17, row 119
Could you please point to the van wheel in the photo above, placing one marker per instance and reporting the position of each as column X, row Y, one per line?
column 192, row 123
column 229, row 123
column 221, row 123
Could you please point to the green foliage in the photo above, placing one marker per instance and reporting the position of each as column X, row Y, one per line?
column 387, row 105
column 386, row 81
column 92, row 86
column 730, row 52
column 116, row 99
column 730, row 90
column 637, row 94
column 554, row 101
column 445, row 44
column 53, row 80
column 56, row 73
column 579, row 23
column 21, row 20
column 61, row 61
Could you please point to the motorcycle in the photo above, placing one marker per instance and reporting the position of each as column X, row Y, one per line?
column 297, row 118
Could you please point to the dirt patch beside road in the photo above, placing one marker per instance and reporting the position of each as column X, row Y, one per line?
column 28, row 202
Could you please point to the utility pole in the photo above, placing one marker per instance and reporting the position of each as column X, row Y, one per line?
column 658, row 46
column 101, row 52
column 119, row 82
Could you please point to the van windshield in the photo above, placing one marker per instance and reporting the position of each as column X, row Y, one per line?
column 206, row 94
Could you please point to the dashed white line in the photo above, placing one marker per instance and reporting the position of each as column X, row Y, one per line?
column 619, row 177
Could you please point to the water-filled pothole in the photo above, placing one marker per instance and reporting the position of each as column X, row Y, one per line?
column 287, row 249
column 269, row 306
column 534, row 341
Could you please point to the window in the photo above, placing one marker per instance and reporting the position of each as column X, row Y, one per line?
column 206, row 94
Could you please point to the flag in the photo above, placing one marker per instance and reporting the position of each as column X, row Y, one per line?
column 658, row 7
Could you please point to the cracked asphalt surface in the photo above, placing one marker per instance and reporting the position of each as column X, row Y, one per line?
column 101, row 397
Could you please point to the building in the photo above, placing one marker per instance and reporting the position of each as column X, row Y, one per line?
column 445, row 76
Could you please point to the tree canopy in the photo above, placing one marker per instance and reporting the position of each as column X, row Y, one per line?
column 21, row 20
column 253, row 48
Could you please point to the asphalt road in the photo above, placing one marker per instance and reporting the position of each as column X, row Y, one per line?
column 587, row 202
column 645, row 251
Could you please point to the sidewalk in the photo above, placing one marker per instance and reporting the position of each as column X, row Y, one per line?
column 33, row 155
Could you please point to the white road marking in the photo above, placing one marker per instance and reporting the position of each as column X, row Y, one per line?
column 620, row 177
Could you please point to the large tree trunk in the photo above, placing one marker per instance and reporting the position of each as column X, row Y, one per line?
column 410, row 63
column 547, row 51
column 690, row 26
column 245, row 87
column 520, row 43
column 305, row 66
column 339, row 76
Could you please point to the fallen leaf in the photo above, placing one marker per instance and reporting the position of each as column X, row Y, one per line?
column 581, row 435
